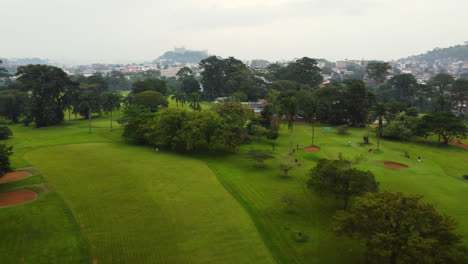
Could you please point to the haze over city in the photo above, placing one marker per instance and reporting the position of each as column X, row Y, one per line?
column 118, row 31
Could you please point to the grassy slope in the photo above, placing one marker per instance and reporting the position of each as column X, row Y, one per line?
column 259, row 191
column 147, row 207
column 42, row 231
column 437, row 177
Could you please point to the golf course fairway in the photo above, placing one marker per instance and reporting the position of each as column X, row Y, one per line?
column 135, row 205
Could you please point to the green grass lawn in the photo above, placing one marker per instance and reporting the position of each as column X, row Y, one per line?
column 118, row 203
column 138, row 206
column 437, row 177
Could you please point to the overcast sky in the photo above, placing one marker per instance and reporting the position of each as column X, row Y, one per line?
column 111, row 31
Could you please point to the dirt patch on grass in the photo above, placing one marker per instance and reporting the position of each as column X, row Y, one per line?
column 311, row 149
column 459, row 143
column 14, row 176
column 16, row 198
column 394, row 165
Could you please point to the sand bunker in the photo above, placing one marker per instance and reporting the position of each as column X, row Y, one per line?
column 311, row 149
column 394, row 165
column 14, row 176
column 16, row 198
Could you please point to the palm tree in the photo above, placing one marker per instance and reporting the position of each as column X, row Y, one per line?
column 177, row 97
column 380, row 112
column 88, row 101
column 194, row 100
column 288, row 106
column 110, row 102
column 309, row 111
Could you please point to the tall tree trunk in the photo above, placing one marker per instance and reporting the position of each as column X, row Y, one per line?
column 379, row 133
column 111, row 119
column 89, row 123
column 69, row 114
column 393, row 258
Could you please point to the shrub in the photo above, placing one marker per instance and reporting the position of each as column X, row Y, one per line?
column 342, row 130
column 366, row 139
column 4, row 121
column 5, row 153
column 286, row 167
column 5, row 132
column 396, row 130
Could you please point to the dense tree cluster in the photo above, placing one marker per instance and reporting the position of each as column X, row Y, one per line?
column 180, row 129
column 223, row 77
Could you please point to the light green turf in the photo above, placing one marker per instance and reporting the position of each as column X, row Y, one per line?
column 138, row 206
column 437, row 177
column 42, row 231
column 258, row 191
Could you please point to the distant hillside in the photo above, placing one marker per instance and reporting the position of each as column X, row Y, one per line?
column 450, row 54
column 181, row 56
column 12, row 64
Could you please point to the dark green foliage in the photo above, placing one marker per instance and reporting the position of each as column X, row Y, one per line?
column 228, row 76
column 336, row 178
column 151, row 99
column 5, row 153
column 5, row 132
column 272, row 135
column 285, row 167
column 3, row 71
column 150, row 84
column 13, row 104
column 303, row 71
column 440, row 83
column 187, row 130
column 446, row 125
column 234, row 118
column 358, row 102
column 95, row 83
column 397, row 130
column 411, row 111
column 110, row 102
column 136, row 121
column 190, row 85
column 48, row 86
column 118, row 82
column 194, row 100
column 260, row 156
column 400, row 228
column 405, row 86
column 378, row 71
column 460, row 94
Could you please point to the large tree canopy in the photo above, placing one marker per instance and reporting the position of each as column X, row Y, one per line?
column 378, row 71
column 445, row 125
column 150, row 84
column 399, row 228
column 48, row 86
column 151, row 99
column 336, row 178
column 303, row 71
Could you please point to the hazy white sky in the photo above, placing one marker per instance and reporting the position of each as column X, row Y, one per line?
column 86, row 31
